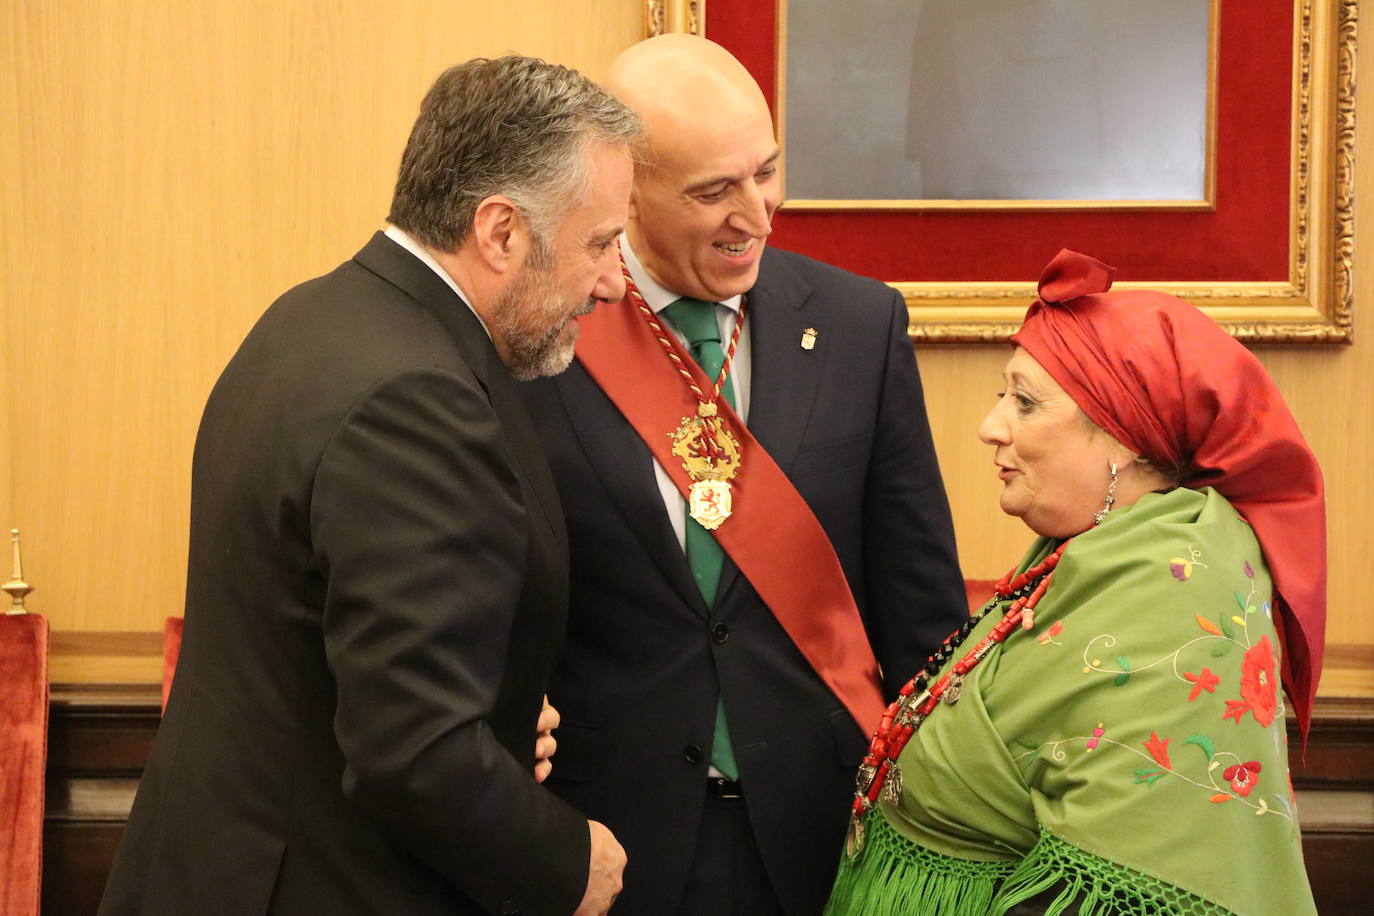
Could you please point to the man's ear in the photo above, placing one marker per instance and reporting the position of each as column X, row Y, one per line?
column 500, row 233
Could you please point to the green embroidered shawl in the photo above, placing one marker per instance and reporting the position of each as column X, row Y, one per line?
column 1128, row 754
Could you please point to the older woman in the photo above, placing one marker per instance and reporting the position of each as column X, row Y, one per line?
column 1107, row 736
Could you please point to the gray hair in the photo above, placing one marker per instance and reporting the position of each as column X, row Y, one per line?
column 1173, row 472
column 515, row 126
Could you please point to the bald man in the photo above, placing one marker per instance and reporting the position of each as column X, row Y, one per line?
column 732, row 600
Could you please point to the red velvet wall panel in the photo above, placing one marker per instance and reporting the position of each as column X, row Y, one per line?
column 1245, row 238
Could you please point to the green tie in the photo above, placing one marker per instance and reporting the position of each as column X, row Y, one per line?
column 697, row 322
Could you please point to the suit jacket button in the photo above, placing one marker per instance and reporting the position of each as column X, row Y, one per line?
column 719, row 633
column 692, row 754
column 511, row 908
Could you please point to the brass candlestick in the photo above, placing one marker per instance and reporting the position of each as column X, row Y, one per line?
column 16, row 587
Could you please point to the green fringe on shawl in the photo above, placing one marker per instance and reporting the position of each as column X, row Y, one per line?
column 1087, row 885
column 895, row 877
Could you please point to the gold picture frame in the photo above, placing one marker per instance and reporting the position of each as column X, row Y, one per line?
column 1312, row 304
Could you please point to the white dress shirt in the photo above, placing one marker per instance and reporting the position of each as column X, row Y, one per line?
column 402, row 238
column 727, row 313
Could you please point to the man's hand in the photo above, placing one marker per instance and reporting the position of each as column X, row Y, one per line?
column 545, row 744
column 603, row 872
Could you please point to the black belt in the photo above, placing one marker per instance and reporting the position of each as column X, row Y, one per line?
column 720, row 787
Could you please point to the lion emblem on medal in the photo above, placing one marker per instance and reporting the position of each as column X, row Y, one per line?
column 710, row 456
column 710, row 503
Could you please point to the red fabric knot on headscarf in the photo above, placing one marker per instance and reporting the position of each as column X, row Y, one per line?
column 1071, row 274
column 1168, row 383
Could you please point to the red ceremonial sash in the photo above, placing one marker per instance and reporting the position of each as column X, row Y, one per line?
column 771, row 532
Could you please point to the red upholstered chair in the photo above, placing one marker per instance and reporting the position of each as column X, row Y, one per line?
column 978, row 591
column 171, row 651
column 23, row 759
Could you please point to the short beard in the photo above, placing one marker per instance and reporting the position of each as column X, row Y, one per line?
column 530, row 314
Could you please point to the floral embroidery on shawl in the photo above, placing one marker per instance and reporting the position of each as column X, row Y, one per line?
column 1243, row 776
column 1203, row 680
column 1048, row 637
column 1258, row 684
column 1258, row 691
column 1222, row 774
column 1182, row 569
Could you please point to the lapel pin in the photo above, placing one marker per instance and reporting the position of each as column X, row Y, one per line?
column 808, row 341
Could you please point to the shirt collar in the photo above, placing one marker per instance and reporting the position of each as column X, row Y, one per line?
column 403, row 238
column 655, row 294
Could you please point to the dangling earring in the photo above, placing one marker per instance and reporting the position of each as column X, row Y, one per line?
column 1100, row 514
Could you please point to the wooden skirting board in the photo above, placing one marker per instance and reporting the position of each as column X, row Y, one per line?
column 100, row 736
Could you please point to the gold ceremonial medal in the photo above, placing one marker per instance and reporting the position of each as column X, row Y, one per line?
column 710, row 453
column 706, row 456
column 710, row 456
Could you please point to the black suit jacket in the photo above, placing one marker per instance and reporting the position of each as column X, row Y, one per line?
column 376, row 597
column 645, row 658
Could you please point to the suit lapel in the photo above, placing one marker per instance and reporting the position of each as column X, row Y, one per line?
column 524, row 442
column 784, row 377
column 398, row 267
column 625, row 466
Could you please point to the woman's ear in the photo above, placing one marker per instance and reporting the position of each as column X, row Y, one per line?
column 1153, row 477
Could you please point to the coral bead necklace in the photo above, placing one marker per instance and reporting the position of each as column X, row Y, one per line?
column 880, row 774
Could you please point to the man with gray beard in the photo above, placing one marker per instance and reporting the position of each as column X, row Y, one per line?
column 378, row 572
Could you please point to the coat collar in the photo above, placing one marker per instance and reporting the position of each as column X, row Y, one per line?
column 418, row 280
column 400, row 268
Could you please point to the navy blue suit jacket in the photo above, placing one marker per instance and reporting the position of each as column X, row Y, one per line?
column 645, row 659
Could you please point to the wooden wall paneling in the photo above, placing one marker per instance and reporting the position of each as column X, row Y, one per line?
column 961, row 383
column 11, row 291
column 1335, row 793
column 1328, row 391
column 1338, row 869
column 179, row 167
column 113, row 657
column 101, row 736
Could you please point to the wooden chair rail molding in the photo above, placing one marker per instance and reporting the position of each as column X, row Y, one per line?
column 132, row 657
column 100, row 736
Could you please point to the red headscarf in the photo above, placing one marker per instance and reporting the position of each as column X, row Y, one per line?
column 1172, row 386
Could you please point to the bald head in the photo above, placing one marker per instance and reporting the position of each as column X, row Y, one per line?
column 679, row 83
column 703, row 203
